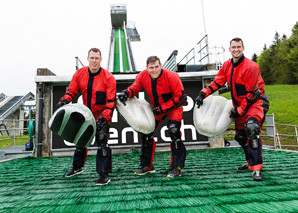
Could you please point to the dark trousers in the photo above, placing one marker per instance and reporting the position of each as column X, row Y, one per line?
column 103, row 164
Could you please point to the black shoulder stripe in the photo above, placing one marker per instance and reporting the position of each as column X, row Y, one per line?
column 132, row 93
column 212, row 90
column 217, row 84
column 70, row 94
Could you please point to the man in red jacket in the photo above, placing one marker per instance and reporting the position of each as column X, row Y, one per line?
column 166, row 94
column 250, row 102
column 98, row 88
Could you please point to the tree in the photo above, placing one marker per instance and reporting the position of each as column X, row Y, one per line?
column 292, row 57
column 254, row 57
column 276, row 39
column 279, row 62
column 264, row 61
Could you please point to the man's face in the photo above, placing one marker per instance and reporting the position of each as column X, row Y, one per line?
column 94, row 59
column 154, row 69
column 236, row 48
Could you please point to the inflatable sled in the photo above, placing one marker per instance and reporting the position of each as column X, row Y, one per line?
column 212, row 118
column 74, row 123
column 138, row 114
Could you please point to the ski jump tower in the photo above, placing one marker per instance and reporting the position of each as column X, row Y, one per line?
column 120, row 54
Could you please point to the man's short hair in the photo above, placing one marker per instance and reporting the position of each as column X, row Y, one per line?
column 96, row 50
column 237, row 40
column 153, row 59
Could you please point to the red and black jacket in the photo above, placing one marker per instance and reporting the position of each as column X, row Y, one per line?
column 98, row 90
column 244, row 78
column 165, row 92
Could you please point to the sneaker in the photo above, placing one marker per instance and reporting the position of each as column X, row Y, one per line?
column 243, row 167
column 257, row 176
column 103, row 179
column 145, row 170
column 176, row 172
column 74, row 172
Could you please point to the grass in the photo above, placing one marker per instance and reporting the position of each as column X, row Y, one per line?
column 6, row 141
column 283, row 104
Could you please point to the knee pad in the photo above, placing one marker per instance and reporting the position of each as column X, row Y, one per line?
column 252, row 129
column 241, row 137
column 175, row 136
column 146, row 139
column 102, row 141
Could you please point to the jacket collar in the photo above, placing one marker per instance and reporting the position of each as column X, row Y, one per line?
column 238, row 62
column 94, row 74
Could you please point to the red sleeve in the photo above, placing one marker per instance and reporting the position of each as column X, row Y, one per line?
column 73, row 87
column 218, row 82
column 136, row 87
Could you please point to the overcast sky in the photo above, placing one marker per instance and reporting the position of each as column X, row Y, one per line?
column 50, row 34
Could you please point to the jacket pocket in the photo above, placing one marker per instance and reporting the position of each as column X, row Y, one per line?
column 240, row 89
column 100, row 98
column 166, row 96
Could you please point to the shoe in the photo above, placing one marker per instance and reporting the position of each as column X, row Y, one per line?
column 103, row 179
column 257, row 176
column 145, row 170
column 176, row 172
column 74, row 172
column 243, row 167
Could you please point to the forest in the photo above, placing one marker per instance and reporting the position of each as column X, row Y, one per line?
column 279, row 61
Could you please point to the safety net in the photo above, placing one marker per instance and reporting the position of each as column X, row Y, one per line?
column 210, row 182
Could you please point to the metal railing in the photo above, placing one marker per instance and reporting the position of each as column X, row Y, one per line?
column 78, row 62
column 272, row 132
column 14, row 129
column 278, row 135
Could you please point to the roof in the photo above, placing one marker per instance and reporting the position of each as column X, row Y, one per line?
column 210, row 182
column 9, row 104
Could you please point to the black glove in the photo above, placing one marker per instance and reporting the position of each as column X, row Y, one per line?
column 100, row 123
column 156, row 111
column 123, row 97
column 61, row 103
column 183, row 103
column 200, row 98
column 234, row 113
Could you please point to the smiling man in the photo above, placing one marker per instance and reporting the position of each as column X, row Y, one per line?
column 166, row 94
column 98, row 87
column 250, row 102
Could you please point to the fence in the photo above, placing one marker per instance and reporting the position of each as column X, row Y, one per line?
column 272, row 131
column 14, row 128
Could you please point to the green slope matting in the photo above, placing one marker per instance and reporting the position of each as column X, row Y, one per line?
column 124, row 52
column 116, row 52
column 210, row 183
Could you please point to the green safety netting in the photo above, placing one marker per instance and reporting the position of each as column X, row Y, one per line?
column 210, row 183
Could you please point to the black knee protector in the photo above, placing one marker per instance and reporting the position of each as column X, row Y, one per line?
column 146, row 139
column 174, row 132
column 252, row 129
column 241, row 137
column 102, row 141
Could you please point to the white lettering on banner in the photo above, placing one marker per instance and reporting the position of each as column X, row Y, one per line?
column 188, row 126
column 163, row 134
column 113, row 133
column 129, row 129
column 115, row 116
column 189, row 105
column 141, row 95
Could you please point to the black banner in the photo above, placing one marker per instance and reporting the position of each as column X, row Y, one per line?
column 121, row 134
